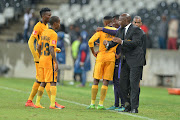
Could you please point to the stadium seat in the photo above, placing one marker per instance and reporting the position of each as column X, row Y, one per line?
column 8, row 12
column 2, row 19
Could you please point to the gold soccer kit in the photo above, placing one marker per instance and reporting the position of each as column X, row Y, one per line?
column 37, row 32
column 46, row 64
column 105, row 61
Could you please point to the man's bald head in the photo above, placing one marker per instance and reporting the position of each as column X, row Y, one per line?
column 124, row 19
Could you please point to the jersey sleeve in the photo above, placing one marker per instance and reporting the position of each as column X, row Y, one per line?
column 36, row 30
column 95, row 37
column 53, row 40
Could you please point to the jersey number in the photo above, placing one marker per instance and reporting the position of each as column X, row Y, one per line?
column 46, row 50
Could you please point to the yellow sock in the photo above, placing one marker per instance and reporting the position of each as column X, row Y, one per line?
column 94, row 91
column 48, row 90
column 39, row 95
column 53, row 90
column 34, row 90
column 103, row 94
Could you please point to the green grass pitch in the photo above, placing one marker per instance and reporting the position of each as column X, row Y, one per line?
column 155, row 103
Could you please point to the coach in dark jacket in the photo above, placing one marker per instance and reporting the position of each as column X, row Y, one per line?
column 129, row 36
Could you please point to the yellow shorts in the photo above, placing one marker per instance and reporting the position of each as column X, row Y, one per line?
column 104, row 70
column 47, row 75
column 37, row 70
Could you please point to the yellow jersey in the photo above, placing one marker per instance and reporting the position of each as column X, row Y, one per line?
column 48, row 38
column 103, row 54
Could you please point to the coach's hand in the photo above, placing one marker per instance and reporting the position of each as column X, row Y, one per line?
column 99, row 29
column 117, row 56
column 117, row 40
column 105, row 42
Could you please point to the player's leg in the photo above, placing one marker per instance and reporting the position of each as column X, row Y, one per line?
column 108, row 72
column 103, row 93
column 94, row 91
column 116, row 90
column 97, row 76
column 53, row 90
column 52, row 79
column 34, row 89
column 39, row 95
column 40, row 92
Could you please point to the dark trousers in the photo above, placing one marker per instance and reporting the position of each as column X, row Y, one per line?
column 117, row 93
column 129, row 84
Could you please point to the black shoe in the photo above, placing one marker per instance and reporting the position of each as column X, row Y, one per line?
column 134, row 111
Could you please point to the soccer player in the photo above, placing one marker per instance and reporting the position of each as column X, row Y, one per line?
column 48, row 65
column 45, row 14
column 105, row 62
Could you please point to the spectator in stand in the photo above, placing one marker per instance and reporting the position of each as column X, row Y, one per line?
column 82, row 62
column 72, row 33
column 32, row 22
column 162, row 30
column 75, row 49
column 27, row 16
column 148, row 41
column 173, row 33
column 61, row 57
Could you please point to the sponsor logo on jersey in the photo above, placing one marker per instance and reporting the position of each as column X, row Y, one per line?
column 34, row 32
column 54, row 42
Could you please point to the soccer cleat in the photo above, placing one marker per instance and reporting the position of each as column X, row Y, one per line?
column 112, row 108
column 39, row 106
column 29, row 103
column 121, row 109
column 54, row 107
column 91, row 106
column 59, row 106
column 101, row 107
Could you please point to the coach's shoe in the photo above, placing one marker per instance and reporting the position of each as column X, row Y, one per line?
column 29, row 103
column 91, row 106
column 112, row 108
column 134, row 111
column 54, row 107
column 59, row 106
column 101, row 107
column 39, row 106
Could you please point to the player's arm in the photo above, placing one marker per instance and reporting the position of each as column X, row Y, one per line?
column 52, row 49
column 52, row 52
column 91, row 43
column 111, row 32
column 110, row 44
column 31, row 47
column 39, row 49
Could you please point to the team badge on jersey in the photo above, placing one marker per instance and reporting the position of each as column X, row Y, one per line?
column 34, row 32
column 54, row 42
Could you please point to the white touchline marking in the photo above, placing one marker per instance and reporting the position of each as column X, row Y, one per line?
column 73, row 102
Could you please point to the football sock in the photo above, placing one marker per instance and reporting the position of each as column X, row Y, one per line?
column 103, row 94
column 34, row 90
column 94, row 91
column 53, row 90
column 39, row 95
column 48, row 90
